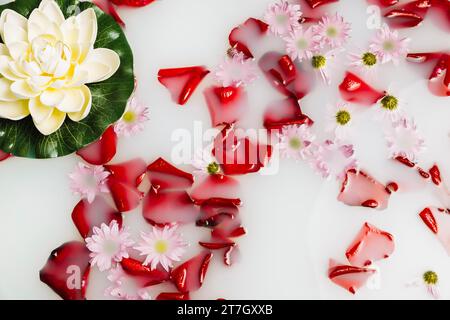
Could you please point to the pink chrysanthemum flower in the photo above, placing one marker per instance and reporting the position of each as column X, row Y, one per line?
column 108, row 245
column 301, row 43
column 321, row 63
column 332, row 158
column 88, row 181
column 205, row 163
column 364, row 60
column 333, row 30
column 132, row 121
column 388, row 46
column 123, row 287
column 282, row 17
column 340, row 120
column 295, row 142
column 162, row 246
column 403, row 140
column 429, row 281
column 236, row 70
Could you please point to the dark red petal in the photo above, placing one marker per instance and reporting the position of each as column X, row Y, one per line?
column 212, row 213
column 244, row 37
column 131, row 172
column 353, row 89
column 167, row 207
column 132, row 3
column 182, row 82
column 87, row 215
column 67, row 270
column 107, row 7
column 4, row 155
column 316, row 3
column 126, row 197
column 226, row 104
column 173, row 296
column 285, row 113
column 438, row 221
column 218, row 187
column 384, row 3
column 144, row 274
column 435, row 175
column 237, row 154
column 101, row 151
column 359, row 189
column 216, row 245
column 420, row 57
column 163, row 175
column 439, row 80
column 408, row 15
column 349, row 277
column 189, row 276
column 371, row 244
column 230, row 255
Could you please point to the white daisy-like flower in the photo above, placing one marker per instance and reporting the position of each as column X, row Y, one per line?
column 301, row 43
column 340, row 120
column 205, row 163
column 162, row 246
column 282, row 17
column 388, row 46
column 295, row 142
column 403, row 140
column 321, row 63
column 429, row 280
column 391, row 107
column 364, row 60
column 108, row 245
column 333, row 30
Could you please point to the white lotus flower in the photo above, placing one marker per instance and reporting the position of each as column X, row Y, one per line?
column 46, row 62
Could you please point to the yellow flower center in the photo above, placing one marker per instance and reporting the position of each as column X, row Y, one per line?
column 388, row 45
column 332, row 32
column 389, row 102
column 129, row 117
column 343, row 117
column 161, row 246
column 302, row 44
column 213, row 168
column 318, row 62
column 295, row 143
column 369, row 59
column 430, row 277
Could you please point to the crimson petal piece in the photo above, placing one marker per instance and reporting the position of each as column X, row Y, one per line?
column 245, row 36
column 126, row 197
column 101, row 151
column 438, row 221
column 173, row 296
column 182, row 82
column 163, row 175
column 67, row 270
column 317, row 3
column 408, row 15
column 4, row 155
column 131, row 172
column 284, row 113
column 107, row 7
column 189, row 276
column 213, row 213
column 144, row 275
column 348, row 277
column 384, row 3
column 132, row 3
column 371, row 244
column 216, row 187
column 87, row 215
column 167, row 207
column 226, row 104
column 353, row 89
column 359, row 189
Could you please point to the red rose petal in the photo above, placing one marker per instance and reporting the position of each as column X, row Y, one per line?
column 244, row 37
column 438, row 221
column 87, row 215
column 67, row 270
column 173, row 296
column 213, row 213
column 226, row 104
column 144, row 275
column 408, row 15
column 163, row 175
column 132, row 3
column 359, row 189
column 317, row 3
column 107, row 7
column 126, row 197
column 131, row 172
column 439, row 80
column 349, row 277
column 182, row 82
column 167, row 207
column 353, row 89
column 217, row 187
column 371, row 244
column 189, row 276
column 284, row 113
column 101, row 151
column 4, row 155
column 237, row 154
column 384, row 3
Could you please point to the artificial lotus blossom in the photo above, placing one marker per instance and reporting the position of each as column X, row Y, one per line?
column 429, row 281
column 46, row 62
column 132, row 121
column 108, row 244
column 301, row 43
column 236, row 70
column 205, row 163
column 162, row 246
column 88, row 181
column 388, row 46
column 296, row 142
column 341, row 120
column 404, row 141
column 119, row 289
column 282, row 17
column 364, row 60
column 333, row 31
